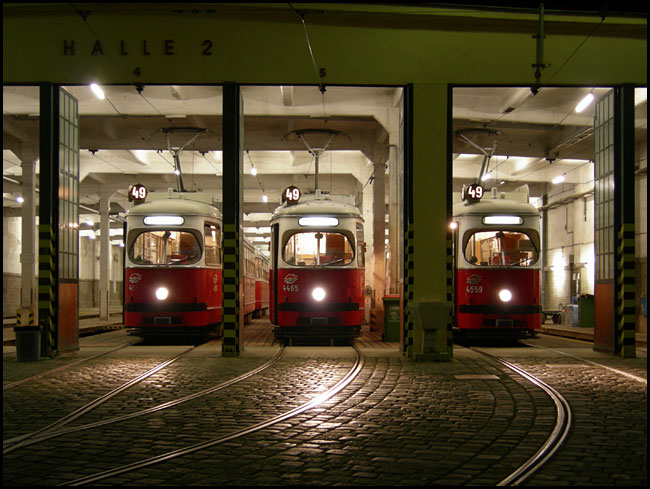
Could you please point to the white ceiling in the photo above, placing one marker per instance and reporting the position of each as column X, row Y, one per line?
column 535, row 138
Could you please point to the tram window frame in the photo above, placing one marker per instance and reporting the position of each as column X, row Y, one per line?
column 528, row 235
column 361, row 247
column 155, row 252
column 207, row 230
column 345, row 261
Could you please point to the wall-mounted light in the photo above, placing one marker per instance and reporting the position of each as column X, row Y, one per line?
column 20, row 199
column 97, row 90
column 584, row 103
column 265, row 198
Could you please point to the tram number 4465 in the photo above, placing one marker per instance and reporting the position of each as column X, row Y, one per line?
column 474, row 289
column 290, row 288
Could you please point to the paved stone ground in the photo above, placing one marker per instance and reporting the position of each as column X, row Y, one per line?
column 465, row 422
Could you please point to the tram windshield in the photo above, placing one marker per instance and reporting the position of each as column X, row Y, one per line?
column 318, row 249
column 164, row 247
column 501, row 248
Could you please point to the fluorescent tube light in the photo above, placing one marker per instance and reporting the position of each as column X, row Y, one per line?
column 558, row 179
column 97, row 90
column 584, row 103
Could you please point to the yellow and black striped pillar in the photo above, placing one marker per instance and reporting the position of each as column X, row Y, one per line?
column 24, row 317
column 233, row 129
column 450, row 298
column 230, row 342
column 408, row 291
column 46, row 288
column 626, row 292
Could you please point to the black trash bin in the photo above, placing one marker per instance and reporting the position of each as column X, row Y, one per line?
column 28, row 343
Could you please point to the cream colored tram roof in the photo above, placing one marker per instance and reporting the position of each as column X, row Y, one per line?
column 320, row 207
column 495, row 206
column 175, row 206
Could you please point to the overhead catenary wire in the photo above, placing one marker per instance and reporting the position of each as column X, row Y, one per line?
column 321, row 86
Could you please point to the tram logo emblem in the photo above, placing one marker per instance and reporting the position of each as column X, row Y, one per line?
column 290, row 278
column 474, row 279
column 135, row 278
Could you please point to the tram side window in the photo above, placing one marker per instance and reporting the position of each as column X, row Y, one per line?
column 501, row 248
column 164, row 247
column 361, row 246
column 212, row 235
column 318, row 249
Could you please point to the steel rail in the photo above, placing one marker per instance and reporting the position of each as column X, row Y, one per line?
column 153, row 409
column 555, row 440
column 321, row 398
column 13, row 443
column 62, row 367
column 620, row 372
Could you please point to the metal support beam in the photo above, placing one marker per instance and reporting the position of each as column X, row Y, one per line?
column 624, row 201
column 233, row 129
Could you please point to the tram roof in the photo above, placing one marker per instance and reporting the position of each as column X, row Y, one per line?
column 176, row 205
column 495, row 206
column 317, row 207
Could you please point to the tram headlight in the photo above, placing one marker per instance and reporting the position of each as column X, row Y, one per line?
column 318, row 294
column 505, row 295
column 162, row 293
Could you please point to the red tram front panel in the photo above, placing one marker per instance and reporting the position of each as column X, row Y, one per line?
column 193, row 297
column 342, row 304
column 479, row 306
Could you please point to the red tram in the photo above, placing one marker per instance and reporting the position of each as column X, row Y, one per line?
column 497, row 266
column 261, row 285
column 317, row 269
column 173, row 269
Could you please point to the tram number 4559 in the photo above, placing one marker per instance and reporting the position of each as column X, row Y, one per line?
column 474, row 289
column 290, row 288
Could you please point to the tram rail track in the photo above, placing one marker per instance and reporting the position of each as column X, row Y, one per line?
column 556, row 438
column 166, row 405
column 16, row 383
column 12, row 443
column 318, row 400
column 517, row 477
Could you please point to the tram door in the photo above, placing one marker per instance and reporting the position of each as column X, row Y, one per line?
column 275, row 242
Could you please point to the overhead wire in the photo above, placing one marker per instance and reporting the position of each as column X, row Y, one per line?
column 321, row 86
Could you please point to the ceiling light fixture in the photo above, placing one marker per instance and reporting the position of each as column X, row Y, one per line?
column 584, row 103
column 97, row 90
column 558, row 179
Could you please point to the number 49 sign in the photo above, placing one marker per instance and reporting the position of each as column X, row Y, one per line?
column 291, row 194
column 138, row 193
column 473, row 193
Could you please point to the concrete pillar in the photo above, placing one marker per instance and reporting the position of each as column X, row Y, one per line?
column 394, row 233
column 28, row 246
column 379, row 241
column 104, row 254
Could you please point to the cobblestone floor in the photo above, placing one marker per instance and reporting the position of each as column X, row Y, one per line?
column 466, row 422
